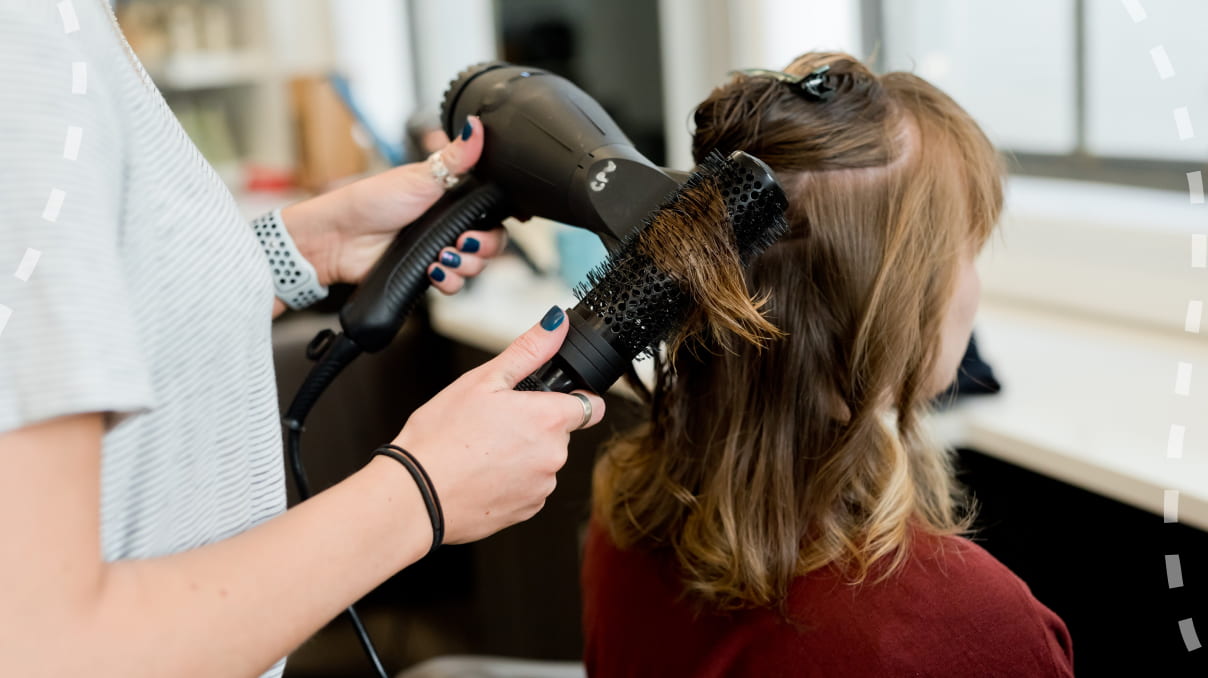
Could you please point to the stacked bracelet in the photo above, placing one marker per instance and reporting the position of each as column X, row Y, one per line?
column 426, row 489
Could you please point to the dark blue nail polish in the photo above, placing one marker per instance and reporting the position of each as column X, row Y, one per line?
column 466, row 130
column 450, row 259
column 553, row 318
column 438, row 274
column 470, row 245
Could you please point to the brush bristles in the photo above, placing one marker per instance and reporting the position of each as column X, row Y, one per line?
column 639, row 304
column 684, row 269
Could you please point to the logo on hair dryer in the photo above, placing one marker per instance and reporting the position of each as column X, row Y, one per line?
column 601, row 181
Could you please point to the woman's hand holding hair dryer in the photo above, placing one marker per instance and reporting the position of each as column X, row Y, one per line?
column 343, row 232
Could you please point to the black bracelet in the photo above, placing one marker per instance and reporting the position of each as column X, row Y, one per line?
column 426, row 489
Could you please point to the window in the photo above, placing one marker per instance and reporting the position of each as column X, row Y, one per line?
column 1009, row 64
column 1139, row 73
column 1089, row 89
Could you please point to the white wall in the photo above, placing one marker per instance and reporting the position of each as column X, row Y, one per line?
column 373, row 50
column 771, row 33
column 449, row 35
column 702, row 40
column 399, row 55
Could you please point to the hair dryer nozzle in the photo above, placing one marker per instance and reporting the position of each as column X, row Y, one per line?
column 555, row 151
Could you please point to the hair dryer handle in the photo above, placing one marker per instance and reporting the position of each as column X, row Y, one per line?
column 373, row 316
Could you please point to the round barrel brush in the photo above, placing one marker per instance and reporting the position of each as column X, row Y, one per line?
column 682, row 272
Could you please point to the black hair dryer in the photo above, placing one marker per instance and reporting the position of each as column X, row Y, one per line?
column 554, row 151
column 550, row 151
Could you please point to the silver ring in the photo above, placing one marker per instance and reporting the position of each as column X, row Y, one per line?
column 440, row 172
column 586, row 403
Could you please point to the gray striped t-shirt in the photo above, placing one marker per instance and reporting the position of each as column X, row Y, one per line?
column 130, row 285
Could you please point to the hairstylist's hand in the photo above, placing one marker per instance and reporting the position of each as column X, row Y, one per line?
column 344, row 232
column 493, row 452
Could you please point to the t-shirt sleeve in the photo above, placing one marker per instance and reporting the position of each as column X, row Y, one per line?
column 68, row 338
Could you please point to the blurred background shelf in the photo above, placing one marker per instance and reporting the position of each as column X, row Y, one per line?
column 210, row 70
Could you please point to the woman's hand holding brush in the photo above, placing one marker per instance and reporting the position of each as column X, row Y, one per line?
column 496, row 468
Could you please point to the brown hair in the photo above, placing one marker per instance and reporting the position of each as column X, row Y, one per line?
column 763, row 462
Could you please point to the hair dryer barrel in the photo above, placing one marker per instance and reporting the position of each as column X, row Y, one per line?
column 554, row 151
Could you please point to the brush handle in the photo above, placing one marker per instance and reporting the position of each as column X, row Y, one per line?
column 586, row 360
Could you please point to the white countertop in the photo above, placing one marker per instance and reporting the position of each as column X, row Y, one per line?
column 1086, row 402
column 1092, row 404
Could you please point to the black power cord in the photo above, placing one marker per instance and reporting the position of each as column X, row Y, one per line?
column 375, row 313
column 294, row 452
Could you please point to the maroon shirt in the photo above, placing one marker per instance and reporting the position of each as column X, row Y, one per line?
column 954, row 611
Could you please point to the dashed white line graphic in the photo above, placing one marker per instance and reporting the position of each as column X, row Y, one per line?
column 1174, row 442
column 1182, row 121
column 54, row 204
column 1174, row 571
column 1182, row 379
column 71, row 23
column 1199, row 250
column 1135, row 10
column 1161, row 61
column 1170, row 506
column 1195, row 187
column 1195, row 313
column 79, row 77
column 1190, row 639
column 71, row 145
column 28, row 262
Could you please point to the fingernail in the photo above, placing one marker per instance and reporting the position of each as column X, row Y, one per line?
column 450, row 259
column 470, row 245
column 438, row 274
column 466, row 130
column 553, row 318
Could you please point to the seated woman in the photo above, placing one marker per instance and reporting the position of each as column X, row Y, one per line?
column 783, row 513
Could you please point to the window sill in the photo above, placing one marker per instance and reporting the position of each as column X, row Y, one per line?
column 1120, row 253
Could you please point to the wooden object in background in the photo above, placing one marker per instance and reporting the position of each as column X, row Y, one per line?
column 326, row 149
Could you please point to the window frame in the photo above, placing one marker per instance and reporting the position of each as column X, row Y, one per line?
column 1081, row 163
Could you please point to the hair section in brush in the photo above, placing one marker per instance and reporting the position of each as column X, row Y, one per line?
column 729, row 210
column 694, row 248
column 683, row 268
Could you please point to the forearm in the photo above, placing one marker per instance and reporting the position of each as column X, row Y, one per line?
column 316, row 226
column 236, row 606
